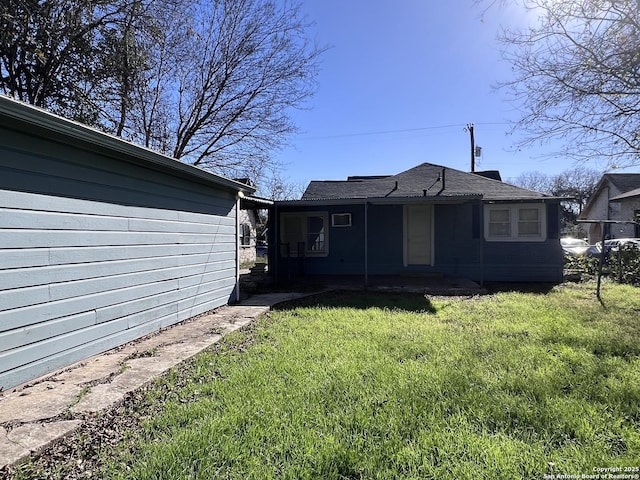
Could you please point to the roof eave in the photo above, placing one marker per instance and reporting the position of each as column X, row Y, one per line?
column 17, row 115
column 253, row 202
column 380, row 200
column 624, row 196
column 525, row 199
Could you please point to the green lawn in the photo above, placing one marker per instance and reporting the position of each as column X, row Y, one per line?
column 346, row 386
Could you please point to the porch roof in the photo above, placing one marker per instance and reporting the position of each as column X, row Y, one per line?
column 630, row 194
column 450, row 199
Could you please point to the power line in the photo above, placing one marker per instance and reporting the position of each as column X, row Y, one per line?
column 406, row 130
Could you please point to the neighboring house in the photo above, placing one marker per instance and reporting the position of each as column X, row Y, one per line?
column 249, row 219
column 429, row 219
column 248, row 224
column 248, row 229
column 102, row 242
column 617, row 197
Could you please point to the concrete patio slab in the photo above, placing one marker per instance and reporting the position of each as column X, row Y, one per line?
column 15, row 442
column 30, row 415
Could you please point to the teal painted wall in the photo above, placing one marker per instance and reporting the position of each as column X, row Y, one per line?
column 96, row 251
column 458, row 247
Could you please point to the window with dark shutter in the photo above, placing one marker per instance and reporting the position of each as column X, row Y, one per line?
column 245, row 234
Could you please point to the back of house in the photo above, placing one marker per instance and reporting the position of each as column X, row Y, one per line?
column 430, row 219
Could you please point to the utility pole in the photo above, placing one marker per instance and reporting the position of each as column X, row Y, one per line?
column 473, row 147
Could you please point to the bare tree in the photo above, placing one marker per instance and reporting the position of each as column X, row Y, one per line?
column 577, row 77
column 276, row 186
column 48, row 54
column 210, row 82
column 124, row 56
column 248, row 63
column 578, row 184
column 536, row 181
column 153, row 94
column 575, row 185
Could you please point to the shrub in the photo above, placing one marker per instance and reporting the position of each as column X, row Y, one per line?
column 625, row 264
column 583, row 264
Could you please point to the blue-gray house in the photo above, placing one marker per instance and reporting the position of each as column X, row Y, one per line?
column 102, row 242
column 429, row 219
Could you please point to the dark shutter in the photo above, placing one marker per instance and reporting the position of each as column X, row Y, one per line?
column 245, row 234
column 553, row 220
column 475, row 221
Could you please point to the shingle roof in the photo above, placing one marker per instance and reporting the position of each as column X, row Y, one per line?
column 624, row 182
column 424, row 179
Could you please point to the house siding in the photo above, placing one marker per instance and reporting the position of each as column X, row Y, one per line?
column 458, row 247
column 600, row 207
column 97, row 250
column 510, row 262
column 599, row 210
column 625, row 210
column 345, row 253
column 386, row 248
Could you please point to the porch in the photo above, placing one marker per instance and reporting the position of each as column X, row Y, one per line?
column 432, row 284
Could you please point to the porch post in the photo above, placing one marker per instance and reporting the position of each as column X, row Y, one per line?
column 273, row 247
column 600, row 261
column 366, row 244
column 481, row 217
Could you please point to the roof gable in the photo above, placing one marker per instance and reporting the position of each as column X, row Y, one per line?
column 425, row 179
column 622, row 182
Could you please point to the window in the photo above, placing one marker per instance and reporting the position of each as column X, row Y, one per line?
column 245, row 234
column 500, row 222
column 528, row 222
column 515, row 222
column 341, row 220
column 304, row 233
column 315, row 234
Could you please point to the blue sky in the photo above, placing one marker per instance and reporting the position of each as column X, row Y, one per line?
column 397, row 87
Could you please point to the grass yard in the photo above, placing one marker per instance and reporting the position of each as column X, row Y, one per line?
column 348, row 386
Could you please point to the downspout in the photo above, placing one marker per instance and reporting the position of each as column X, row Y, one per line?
column 395, row 187
column 443, row 184
column 238, row 197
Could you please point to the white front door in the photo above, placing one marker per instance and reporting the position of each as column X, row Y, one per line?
column 417, row 234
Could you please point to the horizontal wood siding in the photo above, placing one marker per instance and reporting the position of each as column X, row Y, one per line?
column 458, row 247
column 95, row 252
column 385, row 239
column 523, row 262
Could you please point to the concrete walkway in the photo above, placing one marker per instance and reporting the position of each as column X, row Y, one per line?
column 40, row 412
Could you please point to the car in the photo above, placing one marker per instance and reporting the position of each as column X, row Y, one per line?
column 574, row 247
column 612, row 245
column 261, row 249
column 594, row 250
column 615, row 244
